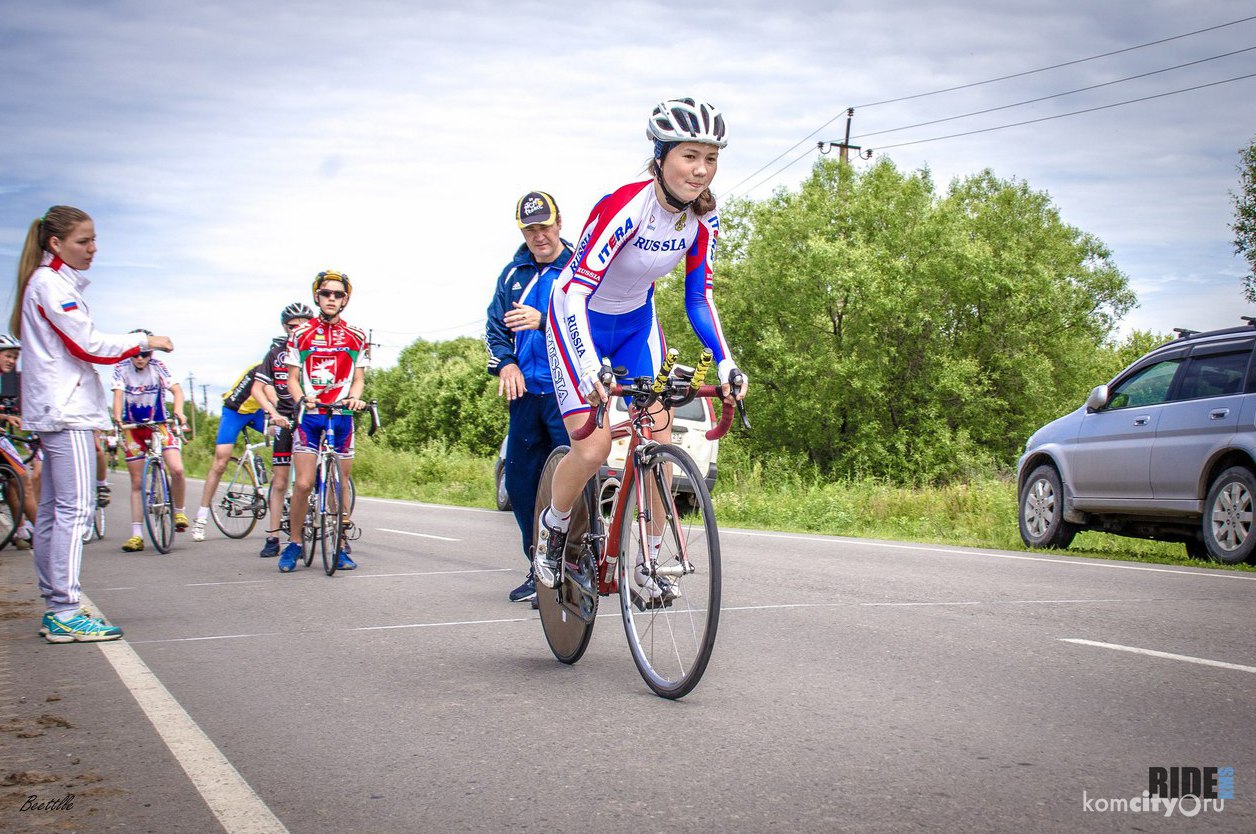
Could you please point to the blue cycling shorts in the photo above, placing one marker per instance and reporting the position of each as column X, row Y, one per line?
column 310, row 430
column 233, row 422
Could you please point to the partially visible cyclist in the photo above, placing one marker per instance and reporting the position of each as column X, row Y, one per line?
column 327, row 361
column 271, row 388
column 10, row 417
column 139, row 396
column 603, row 303
column 239, row 411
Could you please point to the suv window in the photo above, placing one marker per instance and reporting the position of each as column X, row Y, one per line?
column 1148, row 386
column 1214, row 376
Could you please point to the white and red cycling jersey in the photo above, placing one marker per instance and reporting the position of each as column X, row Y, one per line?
column 629, row 241
column 143, row 391
column 327, row 356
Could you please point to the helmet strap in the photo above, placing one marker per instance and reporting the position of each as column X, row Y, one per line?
column 672, row 200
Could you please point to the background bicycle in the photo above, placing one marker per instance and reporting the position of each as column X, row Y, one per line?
column 240, row 500
column 671, row 634
column 158, row 505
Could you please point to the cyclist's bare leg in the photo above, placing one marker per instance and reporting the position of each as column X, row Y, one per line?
column 580, row 464
column 304, row 468
column 100, row 457
column 278, row 486
column 33, row 483
column 178, row 483
column 222, row 456
column 136, row 468
column 346, row 469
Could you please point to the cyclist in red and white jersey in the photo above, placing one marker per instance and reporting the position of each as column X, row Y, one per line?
column 327, row 361
column 603, row 303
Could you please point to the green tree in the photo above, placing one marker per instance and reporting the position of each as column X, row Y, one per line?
column 1244, row 225
column 440, row 391
column 894, row 332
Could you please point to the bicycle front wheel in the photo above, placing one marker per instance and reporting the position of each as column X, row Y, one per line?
column 671, row 608
column 235, row 503
column 11, row 501
column 158, row 512
column 568, row 612
column 332, row 507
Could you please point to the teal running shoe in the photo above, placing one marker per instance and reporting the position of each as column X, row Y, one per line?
column 79, row 629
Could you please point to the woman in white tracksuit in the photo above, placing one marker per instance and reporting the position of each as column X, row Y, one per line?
column 63, row 400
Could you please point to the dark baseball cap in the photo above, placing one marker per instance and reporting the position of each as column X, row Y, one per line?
column 536, row 208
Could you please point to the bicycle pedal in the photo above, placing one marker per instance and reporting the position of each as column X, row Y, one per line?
column 649, row 604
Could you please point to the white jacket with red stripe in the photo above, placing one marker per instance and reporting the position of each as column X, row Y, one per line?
column 60, row 345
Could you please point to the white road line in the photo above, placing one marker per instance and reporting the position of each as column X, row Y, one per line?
column 420, row 535
column 451, row 623
column 236, row 805
column 1076, row 561
column 1152, row 653
column 442, row 507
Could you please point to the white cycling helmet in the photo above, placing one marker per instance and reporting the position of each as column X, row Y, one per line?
column 7, row 342
column 295, row 310
column 687, row 120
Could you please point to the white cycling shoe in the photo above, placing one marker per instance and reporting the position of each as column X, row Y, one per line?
column 656, row 592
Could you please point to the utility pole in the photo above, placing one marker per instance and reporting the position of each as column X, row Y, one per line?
column 192, row 396
column 845, row 145
column 205, row 398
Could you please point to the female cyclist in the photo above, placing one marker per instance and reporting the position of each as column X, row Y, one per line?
column 603, row 303
column 64, row 401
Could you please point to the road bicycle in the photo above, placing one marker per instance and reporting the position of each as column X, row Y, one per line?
column 241, row 500
column 158, row 505
column 331, row 499
column 309, row 530
column 110, row 444
column 672, row 635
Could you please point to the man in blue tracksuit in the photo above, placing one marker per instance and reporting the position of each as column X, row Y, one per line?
column 515, row 336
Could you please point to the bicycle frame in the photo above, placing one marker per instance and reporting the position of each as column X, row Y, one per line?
column 640, row 434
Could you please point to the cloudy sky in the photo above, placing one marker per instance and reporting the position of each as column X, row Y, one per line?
column 230, row 150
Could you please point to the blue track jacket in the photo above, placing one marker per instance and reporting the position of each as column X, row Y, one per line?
column 522, row 281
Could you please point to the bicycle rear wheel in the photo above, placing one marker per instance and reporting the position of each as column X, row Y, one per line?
column 158, row 511
column 331, row 516
column 235, row 505
column 568, row 612
column 12, row 495
column 97, row 530
column 671, row 640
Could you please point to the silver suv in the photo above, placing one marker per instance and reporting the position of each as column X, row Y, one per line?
column 1166, row 450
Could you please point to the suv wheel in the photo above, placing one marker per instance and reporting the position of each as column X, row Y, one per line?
column 1041, row 513
column 1228, row 516
column 503, row 497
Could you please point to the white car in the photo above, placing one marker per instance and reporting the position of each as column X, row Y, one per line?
column 691, row 423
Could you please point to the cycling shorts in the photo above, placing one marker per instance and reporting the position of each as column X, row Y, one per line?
column 281, row 449
column 135, row 441
column 309, row 434
column 632, row 340
column 233, row 422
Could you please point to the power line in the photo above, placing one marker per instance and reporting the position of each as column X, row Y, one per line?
column 1053, row 95
column 773, row 161
column 1072, row 113
column 1053, row 66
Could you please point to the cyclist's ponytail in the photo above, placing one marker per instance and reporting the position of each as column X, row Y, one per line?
column 58, row 222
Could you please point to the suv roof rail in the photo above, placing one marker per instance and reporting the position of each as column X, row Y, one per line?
column 1251, row 320
column 1185, row 332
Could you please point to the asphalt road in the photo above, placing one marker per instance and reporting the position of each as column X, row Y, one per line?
column 856, row 686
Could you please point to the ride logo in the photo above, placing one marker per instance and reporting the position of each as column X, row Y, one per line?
column 1181, row 790
column 1200, row 782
